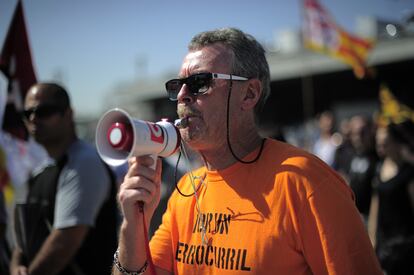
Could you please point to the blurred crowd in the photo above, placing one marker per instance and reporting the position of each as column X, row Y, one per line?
column 375, row 159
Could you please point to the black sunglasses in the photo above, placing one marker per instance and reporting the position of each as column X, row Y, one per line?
column 198, row 84
column 42, row 111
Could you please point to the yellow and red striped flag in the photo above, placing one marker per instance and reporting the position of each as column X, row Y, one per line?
column 322, row 34
column 392, row 110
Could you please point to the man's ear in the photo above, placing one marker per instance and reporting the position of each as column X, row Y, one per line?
column 252, row 94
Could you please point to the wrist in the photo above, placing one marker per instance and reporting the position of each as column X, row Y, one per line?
column 133, row 225
column 125, row 271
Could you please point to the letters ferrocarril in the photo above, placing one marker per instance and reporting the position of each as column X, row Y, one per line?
column 220, row 257
column 229, row 258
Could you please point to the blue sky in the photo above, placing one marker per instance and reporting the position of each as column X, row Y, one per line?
column 95, row 45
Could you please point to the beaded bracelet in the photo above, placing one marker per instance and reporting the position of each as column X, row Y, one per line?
column 123, row 270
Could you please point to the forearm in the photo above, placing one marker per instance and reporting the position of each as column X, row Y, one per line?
column 16, row 260
column 141, row 185
column 57, row 251
column 131, row 246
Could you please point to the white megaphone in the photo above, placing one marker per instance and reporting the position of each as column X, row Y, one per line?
column 119, row 137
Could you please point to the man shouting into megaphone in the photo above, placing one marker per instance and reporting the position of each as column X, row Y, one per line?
column 257, row 206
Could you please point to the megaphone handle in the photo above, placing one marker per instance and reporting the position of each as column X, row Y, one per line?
column 153, row 166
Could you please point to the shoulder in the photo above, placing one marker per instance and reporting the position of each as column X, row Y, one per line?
column 84, row 160
column 82, row 153
column 283, row 155
column 82, row 149
column 292, row 166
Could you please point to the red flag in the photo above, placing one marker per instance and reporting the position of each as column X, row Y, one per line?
column 320, row 33
column 16, row 59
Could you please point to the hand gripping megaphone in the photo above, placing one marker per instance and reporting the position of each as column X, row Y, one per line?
column 119, row 137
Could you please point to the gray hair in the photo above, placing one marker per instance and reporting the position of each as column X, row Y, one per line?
column 249, row 56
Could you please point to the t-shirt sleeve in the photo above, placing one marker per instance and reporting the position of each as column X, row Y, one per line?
column 333, row 236
column 82, row 189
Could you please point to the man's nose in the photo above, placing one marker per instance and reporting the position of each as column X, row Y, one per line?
column 184, row 95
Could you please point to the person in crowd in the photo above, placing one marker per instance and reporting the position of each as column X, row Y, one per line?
column 406, row 129
column 326, row 143
column 363, row 162
column 67, row 224
column 394, row 190
column 345, row 150
column 257, row 205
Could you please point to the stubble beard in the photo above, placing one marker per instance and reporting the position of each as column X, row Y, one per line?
column 191, row 134
column 192, row 131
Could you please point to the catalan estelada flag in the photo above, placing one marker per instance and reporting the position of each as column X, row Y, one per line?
column 322, row 34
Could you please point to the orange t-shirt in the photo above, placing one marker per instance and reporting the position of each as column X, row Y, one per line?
column 287, row 213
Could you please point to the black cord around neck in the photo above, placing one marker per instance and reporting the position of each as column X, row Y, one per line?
column 176, row 181
column 228, row 132
column 228, row 144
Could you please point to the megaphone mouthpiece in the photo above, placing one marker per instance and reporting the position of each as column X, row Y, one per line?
column 181, row 123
